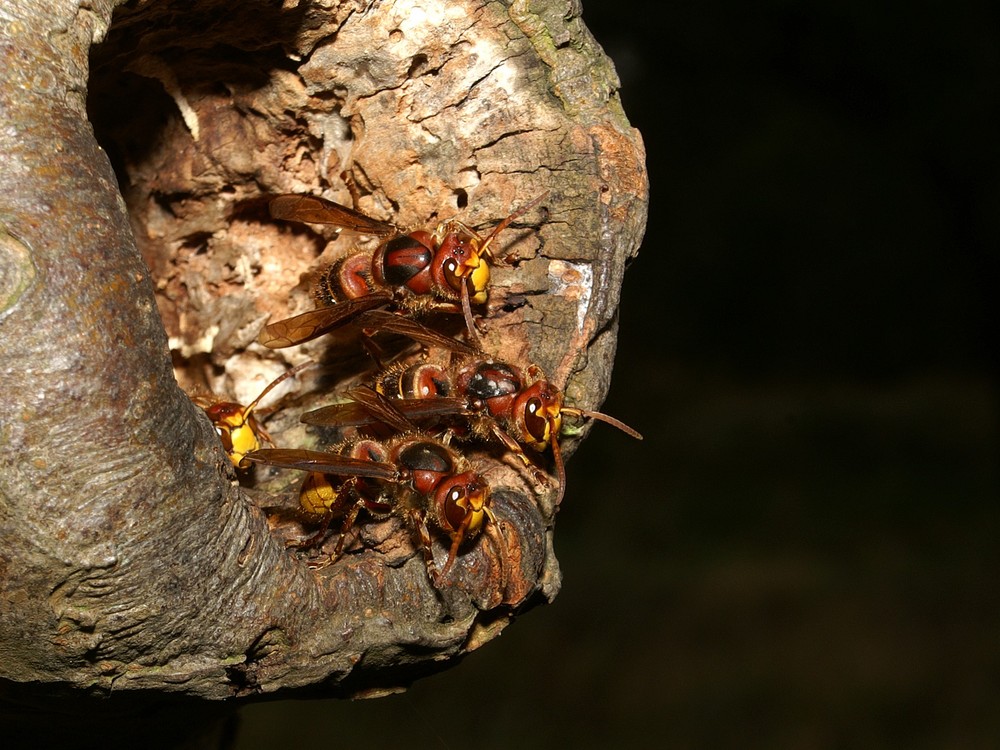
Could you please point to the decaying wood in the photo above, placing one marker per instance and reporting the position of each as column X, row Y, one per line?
column 130, row 559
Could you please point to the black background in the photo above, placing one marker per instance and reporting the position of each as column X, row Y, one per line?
column 802, row 552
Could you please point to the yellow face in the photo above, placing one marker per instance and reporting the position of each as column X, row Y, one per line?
column 475, row 506
column 472, row 270
column 479, row 280
column 464, row 506
column 237, row 430
column 244, row 440
column 541, row 420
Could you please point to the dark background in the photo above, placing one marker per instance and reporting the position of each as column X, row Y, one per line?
column 803, row 552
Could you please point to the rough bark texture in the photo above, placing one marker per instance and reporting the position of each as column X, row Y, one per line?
column 130, row 559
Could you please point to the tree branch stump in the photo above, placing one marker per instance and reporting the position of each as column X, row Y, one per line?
column 131, row 561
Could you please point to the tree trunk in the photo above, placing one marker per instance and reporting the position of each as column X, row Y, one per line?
column 132, row 561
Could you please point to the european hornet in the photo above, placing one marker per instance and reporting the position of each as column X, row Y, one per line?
column 447, row 270
column 489, row 397
column 420, row 479
column 238, row 428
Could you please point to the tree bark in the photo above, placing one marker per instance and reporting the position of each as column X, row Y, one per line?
column 131, row 561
